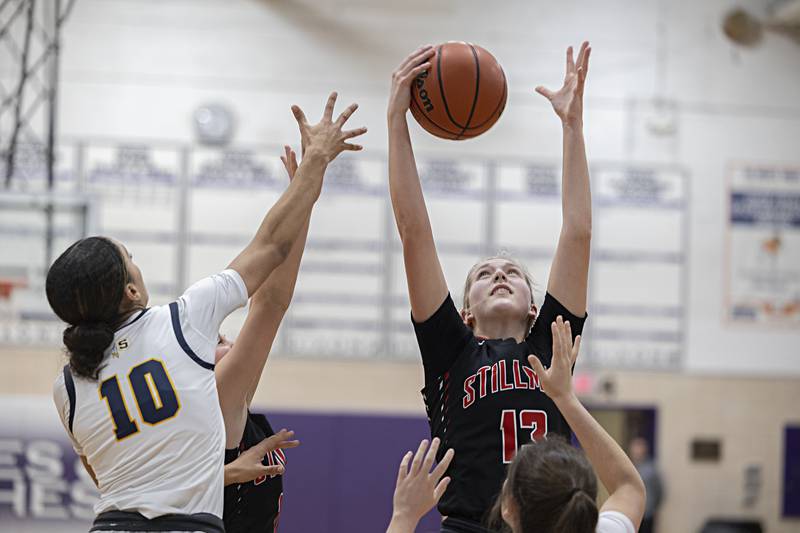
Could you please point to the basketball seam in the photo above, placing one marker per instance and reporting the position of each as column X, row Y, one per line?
column 477, row 88
column 500, row 103
column 426, row 117
column 441, row 87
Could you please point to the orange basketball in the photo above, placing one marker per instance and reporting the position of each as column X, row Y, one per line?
column 463, row 93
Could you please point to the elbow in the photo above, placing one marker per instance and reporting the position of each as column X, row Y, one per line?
column 273, row 301
column 277, row 252
column 638, row 487
column 410, row 228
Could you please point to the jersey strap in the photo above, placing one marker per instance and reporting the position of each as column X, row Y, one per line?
column 176, row 326
column 70, row 384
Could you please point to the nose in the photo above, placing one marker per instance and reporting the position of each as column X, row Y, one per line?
column 499, row 275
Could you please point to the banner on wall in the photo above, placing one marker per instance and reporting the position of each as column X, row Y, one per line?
column 43, row 485
column 764, row 246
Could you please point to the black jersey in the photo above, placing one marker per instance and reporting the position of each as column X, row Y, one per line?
column 254, row 506
column 483, row 400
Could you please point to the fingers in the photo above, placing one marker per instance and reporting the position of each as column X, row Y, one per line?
column 414, row 58
column 349, row 134
column 293, row 159
column 352, row 147
column 570, row 61
column 299, row 116
column 416, row 71
column 288, row 444
column 582, row 52
column 537, row 365
column 583, row 69
column 328, row 113
column 279, row 440
column 417, row 462
column 547, row 93
column 430, row 456
column 441, row 468
column 557, row 342
column 274, row 470
column 576, row 349
column 345, row 114
column 403, row 471
column 440, row 490
column 568, row 334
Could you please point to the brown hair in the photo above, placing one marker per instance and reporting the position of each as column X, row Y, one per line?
column 552, row 488
column 506, row 257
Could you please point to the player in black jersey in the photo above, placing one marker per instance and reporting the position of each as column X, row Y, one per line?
column 482, row 397
column 254, row 453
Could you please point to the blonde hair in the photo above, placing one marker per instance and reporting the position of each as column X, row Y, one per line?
column 506, row 257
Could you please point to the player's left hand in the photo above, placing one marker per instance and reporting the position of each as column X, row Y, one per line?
column 568, row 101
column 418, row 488
column 289, row 160
column 556, row 381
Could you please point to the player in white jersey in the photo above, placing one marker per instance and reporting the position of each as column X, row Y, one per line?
column 138, row 397
column 550, row 486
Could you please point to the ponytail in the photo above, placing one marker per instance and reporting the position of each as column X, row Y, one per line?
column 85, row 287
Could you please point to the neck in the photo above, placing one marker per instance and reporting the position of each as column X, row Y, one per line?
column 125, row 314
column 500, row 328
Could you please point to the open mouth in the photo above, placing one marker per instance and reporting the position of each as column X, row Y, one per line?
column 501, row 287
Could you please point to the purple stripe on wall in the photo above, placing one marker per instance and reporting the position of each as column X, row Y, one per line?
column 341, row 479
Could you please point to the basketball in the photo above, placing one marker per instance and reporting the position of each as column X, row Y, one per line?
column 463, row 93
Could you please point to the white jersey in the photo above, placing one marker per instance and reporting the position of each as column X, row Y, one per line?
column 151, row 426
column 614, row 522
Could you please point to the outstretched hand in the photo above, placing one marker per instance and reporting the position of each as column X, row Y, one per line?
column 418, row 488
column 327, row 138
column 556, row 381
column 404, row 75
column 568, row 101
column 248, row 466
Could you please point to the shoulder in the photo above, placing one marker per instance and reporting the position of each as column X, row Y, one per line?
column 614, row 522
column 59, row 387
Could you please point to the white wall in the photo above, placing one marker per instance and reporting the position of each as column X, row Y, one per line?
column 136, row 69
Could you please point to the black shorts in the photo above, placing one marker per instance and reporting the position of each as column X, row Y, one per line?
column 127, row 521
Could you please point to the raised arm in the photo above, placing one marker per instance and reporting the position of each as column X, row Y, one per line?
column 282, row 224
column 616, row 472
column 569, row 272
column 427, row 287
column 239, row 372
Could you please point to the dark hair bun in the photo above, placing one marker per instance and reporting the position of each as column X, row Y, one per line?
column 579, row 514
column 86, row 343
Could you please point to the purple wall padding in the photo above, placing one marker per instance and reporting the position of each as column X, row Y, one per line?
column 341, row 479
column 791, row 472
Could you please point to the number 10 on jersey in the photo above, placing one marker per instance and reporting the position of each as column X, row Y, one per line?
column 155, row 397
column 529, row 419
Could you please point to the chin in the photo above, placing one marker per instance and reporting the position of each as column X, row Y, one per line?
column 506, row 307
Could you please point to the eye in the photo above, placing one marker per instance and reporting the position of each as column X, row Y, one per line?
column 483, row 274
column 514, row 271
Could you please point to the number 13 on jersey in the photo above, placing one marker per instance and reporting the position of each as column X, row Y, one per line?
column 155, row 397
column 529, row 419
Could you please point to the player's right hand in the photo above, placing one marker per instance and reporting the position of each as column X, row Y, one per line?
column 248, row 466
column 556, row 381
column 412, row 66
column 326, row 138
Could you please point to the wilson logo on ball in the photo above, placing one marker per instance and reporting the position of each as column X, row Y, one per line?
column 423, row 94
